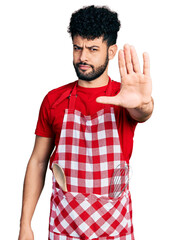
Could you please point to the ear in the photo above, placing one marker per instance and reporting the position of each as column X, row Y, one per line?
column 112, row 51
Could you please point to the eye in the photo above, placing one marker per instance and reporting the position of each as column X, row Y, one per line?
column 93, row 49
column 76, row 48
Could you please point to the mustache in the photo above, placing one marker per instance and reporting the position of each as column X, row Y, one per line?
column 83, row 63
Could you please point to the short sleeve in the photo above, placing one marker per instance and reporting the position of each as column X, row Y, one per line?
column 126, row 127
column 44, row 127
column 132, row 121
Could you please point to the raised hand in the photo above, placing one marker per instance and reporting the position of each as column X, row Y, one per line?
column 136, row 87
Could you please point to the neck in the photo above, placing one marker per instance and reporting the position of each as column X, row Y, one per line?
column 98, row 82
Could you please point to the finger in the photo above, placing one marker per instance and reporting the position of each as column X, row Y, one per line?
column 109, row 100
column 121, row 63
column 128, row 61
column 146, row 64
column 135, row 60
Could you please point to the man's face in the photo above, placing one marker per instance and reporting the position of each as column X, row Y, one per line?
column 90, row 57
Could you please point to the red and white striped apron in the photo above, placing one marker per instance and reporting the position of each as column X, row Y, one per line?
column 89, row 151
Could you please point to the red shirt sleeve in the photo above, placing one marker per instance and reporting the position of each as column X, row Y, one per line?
column 126, row 127
column 44, row 128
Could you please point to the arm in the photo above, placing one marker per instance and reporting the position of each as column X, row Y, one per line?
column 143, row 112
column 34, row 183
column 136, row 87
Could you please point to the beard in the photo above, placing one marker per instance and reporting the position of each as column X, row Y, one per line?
column 95, row 73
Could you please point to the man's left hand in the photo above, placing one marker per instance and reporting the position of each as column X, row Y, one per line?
column 136, row 87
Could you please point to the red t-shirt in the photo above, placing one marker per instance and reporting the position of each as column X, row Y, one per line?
column 50, row 120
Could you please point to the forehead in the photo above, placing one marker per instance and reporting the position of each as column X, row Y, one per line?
column 80, row 41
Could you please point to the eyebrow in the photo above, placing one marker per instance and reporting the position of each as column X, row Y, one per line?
column 94, row 46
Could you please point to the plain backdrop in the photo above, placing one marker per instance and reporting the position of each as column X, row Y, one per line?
column 35, row 57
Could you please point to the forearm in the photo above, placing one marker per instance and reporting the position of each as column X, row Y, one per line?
column 33, row 185
column 143, row 112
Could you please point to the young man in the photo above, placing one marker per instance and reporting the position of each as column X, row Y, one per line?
column 91, row 123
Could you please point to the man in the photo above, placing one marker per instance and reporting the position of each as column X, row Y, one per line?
column 91, row 123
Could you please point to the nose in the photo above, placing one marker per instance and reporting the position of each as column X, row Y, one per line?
column 83, row 55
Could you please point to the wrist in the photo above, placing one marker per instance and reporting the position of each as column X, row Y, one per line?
column 146, row 107
column 25, row 223
column 143, row 112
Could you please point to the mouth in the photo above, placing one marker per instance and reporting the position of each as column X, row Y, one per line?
column 84, row 67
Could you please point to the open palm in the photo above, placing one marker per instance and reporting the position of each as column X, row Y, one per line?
column 136, row 87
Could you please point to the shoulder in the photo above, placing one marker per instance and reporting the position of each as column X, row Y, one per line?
column 61, row 89
column 53, row 95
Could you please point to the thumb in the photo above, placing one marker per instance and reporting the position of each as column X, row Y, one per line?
column 109, row 100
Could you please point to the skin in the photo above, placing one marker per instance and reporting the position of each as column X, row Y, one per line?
column 135, row 95
column 92, row 52
column 34, row 183
column 136, row 87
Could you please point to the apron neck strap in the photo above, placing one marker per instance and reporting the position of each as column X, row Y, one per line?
column 73, row 94
column 108, row 91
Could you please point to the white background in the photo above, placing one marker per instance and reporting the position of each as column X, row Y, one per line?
column 35, row 57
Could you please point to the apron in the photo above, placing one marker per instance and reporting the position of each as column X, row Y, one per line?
column 88, row 151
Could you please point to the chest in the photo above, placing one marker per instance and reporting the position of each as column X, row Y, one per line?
column 87, row 106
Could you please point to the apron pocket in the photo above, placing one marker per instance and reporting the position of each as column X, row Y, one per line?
column 90, row 216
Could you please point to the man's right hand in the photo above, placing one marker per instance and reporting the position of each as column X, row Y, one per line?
column 26, row 233
column 34, row 183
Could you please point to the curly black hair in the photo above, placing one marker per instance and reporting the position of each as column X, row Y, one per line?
column 93, row 22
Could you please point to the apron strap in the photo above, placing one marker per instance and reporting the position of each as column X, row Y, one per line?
column 109, row 88
column 65, row 95
column 73, row 95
